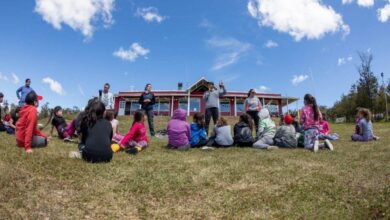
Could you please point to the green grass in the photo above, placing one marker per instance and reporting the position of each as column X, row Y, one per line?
column 353, row 182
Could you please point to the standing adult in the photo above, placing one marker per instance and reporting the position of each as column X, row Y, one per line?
column 107, row 97
column 211, row 97
column 22, row 92
column 253, row 107
column 2, row 127
column 147, row 101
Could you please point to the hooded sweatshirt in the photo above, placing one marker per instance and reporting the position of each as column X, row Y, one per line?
column 197, row 134
column 223, row 136
column 286, row 136
column 243, row 134
column 26, row 127
column 267, row 127
column 179, row 132
column 212, row 98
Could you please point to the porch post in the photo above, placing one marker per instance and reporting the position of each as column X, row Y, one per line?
column 172, row 102
column 188, row 103
column 235, row 106
column 263, row 101
column 288, row 110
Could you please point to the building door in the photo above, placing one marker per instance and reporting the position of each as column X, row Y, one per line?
column 122, row 105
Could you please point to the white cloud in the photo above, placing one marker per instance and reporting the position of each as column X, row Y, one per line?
column 77, row 14
column 309, row 19
column 384, row 13
column 206, row 24
column 150, row 14
column 54, row 85
column 271, row 44
column 262, row 89
column 362, row 3
column 81, row 90
column 298, row 79
column 132, row 53
column 3, row 77
column 230, row 50
column 343, row 60
column 15, row 78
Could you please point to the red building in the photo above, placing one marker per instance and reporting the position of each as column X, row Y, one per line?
column 191, row 99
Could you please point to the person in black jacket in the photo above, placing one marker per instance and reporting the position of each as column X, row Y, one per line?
column 147, row 101
column 96, row 135
column 243, row 131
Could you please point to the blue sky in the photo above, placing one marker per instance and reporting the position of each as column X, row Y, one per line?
column 71, row 48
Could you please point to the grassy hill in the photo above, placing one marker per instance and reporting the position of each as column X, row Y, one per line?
column 353, row 182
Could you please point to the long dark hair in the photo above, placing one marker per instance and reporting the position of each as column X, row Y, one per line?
column 247, row 120
column 311, row 100
column 94, row 113
column 53, row 113
column 138, row 116
column 110, row 115
column 146, row 86
column 250, row 91
column 199, row 120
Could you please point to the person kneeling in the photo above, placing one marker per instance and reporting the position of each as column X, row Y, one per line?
column 27, row 134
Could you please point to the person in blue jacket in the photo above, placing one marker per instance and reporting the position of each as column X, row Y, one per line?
column 22, row 92
column 198, row 131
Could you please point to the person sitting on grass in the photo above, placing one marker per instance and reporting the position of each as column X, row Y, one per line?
column 65, row 131
column 325, row 132
column 96, row 134
column 198, row 131
column 366, row 132
column 136, row 140
column 310, row 119
column 221, row 137
column 266, row 133
column 28, row 136
column 285, row 136
column 8, row 121
column 243, row 136
column 111, row 117
column 179, row 131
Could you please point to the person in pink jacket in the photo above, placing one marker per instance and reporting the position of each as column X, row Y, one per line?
column 179, row 131
column 136, row 140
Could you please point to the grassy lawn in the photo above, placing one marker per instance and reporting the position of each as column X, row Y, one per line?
column 353, row 182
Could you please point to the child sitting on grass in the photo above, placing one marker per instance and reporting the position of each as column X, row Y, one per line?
column 179, row 131
column 28, row 136
column 266, row 133
column 325, row 132
column 8, row 121
column 286, row 135
column 243, row 131
column 111, row 117
column 136, row 140
column 198, row 131
column 96, row 135
column 222, row 136
column 364, row 127
column 64, row 131
column 310, row 119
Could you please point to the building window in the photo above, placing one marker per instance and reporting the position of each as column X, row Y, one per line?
column 162, row 106
column 122, row 104
column 240, row 107
column 225, row 106
column 135, row 106
column 194, row 104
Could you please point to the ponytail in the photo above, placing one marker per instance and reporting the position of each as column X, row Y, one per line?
column 53, row 112
column 311, row 100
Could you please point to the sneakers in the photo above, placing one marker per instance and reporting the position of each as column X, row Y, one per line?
column 207, row 148
column 68, row 140
column 329, row 145
column 316, row 146
column 134, row 150
column 74, row 155
column 272, row 148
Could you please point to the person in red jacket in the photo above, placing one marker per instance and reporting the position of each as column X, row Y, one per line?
column 136, row 140
column 27, row 134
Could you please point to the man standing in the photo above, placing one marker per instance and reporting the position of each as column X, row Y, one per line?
column 107, row 97
column 147, row 101
column 211, row 98
column 2, row 127
column 22, row 92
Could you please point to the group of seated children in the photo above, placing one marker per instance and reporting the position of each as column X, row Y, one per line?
column 183, row 136
column 98, row 130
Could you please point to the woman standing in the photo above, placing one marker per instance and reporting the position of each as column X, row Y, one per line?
column 253, row 107
column 147, row 101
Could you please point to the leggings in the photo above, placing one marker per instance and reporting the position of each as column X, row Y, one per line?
column 255, row 117
column 211, row 113
column 38, row 142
